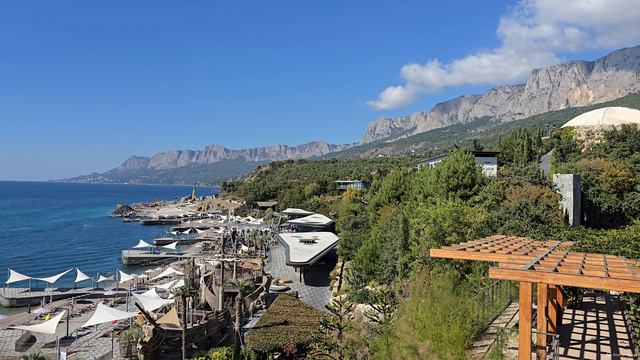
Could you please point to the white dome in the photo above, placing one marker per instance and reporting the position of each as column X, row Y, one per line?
column 606, row 117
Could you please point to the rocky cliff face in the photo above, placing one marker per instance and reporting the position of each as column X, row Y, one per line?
column 576, row 83
column 216, row 153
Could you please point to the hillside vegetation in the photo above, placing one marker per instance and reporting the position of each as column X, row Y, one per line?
column 425, row 308
column 298, row 182
column 483, row 129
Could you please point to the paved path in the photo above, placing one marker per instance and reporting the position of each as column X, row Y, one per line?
column 315, row 289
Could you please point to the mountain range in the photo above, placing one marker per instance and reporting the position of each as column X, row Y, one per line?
column 568, row 85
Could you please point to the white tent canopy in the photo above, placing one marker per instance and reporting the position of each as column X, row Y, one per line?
column 105, row 314
column 179, row 284
column 167, row 285
column 312, row 220
column 186, row 231
column 152, row 292
column 54, row 278
column 80, row 276
column 48, row 327
column 142, row 244
column 151, row 301
column 171, row 246
column 15, row 276
column 103, row 278
column 168, row 272
column 124, row 277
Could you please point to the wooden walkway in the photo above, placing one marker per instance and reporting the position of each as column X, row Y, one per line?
column 595, row 330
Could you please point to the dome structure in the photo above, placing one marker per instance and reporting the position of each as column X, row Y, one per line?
column 605, row 117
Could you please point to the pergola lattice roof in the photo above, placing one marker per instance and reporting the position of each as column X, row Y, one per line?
column 550, row 262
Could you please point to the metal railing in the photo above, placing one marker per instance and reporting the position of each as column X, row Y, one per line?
column 492, row 300
column 552, row 344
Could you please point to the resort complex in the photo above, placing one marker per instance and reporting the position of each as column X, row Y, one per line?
column 201, row 285
column 320, row 180
column 498, row 257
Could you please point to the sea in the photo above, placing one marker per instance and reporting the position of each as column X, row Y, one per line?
column 49, row 227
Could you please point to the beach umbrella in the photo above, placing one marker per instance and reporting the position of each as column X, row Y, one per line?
column 171, row 246
column 142, row 244
column 80, row 277
column 124, row 277
column 41, row 310
column 169, row 271
column 47, row 327
column 105, row 314
column 15, row 276
column 167, row 286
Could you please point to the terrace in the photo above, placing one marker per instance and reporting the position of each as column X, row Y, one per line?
column 552, row 265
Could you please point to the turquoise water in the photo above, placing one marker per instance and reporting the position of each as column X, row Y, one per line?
column 47, row 228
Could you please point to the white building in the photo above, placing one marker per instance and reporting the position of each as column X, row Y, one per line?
column 488, row 160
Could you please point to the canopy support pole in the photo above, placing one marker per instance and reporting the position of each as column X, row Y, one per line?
column 524, row 322
column 541, row 320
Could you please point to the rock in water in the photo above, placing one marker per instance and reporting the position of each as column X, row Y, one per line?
column 124, row 210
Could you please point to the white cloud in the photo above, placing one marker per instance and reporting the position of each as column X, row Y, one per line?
column 532, row 35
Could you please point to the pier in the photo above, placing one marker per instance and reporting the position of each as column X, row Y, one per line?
column 21, row 297
column 137, row 257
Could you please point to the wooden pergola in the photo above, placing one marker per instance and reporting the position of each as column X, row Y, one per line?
column 551, row 265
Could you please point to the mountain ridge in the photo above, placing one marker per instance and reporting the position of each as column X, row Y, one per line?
column 569, row 84
column 207, row 163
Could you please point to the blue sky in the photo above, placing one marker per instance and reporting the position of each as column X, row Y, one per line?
column 85, row 84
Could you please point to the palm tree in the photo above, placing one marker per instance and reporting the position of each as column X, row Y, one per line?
column 187, row 291
column 34, row 356
column 244, row 286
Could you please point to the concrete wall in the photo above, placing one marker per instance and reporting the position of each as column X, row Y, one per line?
column 568, row 186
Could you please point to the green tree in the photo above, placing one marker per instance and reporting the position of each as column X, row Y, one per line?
column 331, row 343
column 188, row 291
column 456, row 177
column 34, row 356
column 445, row 331
column 392, row 189
column 519, row 147
column 383, row 255
column 529, row 210
column 444, row 223
column 244, row 287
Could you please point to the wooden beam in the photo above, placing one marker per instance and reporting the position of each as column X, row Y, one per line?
column 476, row 255
column 566, row 279
column 524, row 322
column 541, row 321
column 552, row 309
column 530, row 264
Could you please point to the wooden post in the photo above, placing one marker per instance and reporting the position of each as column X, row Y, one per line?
column 524, row 322
column 541, row 342
column 562, row 302
column 552, row 309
